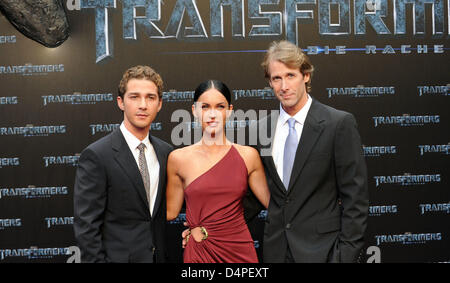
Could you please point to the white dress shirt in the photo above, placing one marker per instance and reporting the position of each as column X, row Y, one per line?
column 282, row 131
column 150, row 157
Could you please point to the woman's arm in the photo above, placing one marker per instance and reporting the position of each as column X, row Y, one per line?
column 257, row 177
column 174, row 191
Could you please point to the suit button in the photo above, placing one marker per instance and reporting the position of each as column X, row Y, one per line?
column 288, row 226
column 287, row 201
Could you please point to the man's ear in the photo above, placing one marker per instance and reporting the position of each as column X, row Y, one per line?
column 120, row 103
column 306, row 77
column 160, row 104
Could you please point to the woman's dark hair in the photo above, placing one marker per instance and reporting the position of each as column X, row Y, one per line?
column 217, row 85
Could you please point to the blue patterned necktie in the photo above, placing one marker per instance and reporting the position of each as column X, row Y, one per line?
column 290, row 147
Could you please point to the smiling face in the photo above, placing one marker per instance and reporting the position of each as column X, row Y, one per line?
column 140, row 104
column 289, row 85
column 212, row 110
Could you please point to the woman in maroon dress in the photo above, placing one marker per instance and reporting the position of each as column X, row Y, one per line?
column 212, row 176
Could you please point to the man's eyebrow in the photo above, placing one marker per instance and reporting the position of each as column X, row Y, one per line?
column 149, row 93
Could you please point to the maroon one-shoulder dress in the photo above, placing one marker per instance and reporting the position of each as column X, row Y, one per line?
column 214, row 201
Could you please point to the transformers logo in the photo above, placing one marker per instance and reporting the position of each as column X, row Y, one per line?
column 292, row 16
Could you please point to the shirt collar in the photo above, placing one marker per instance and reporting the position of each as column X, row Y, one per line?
column 132, row 141
column 299, row 117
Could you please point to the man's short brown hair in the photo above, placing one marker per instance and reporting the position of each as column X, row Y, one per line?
column 140, row 72
column 290, row 55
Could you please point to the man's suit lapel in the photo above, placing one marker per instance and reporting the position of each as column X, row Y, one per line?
column 312, row 129
column 272, row 170
column 125, row 159
column 162, row 160
column 267, row 126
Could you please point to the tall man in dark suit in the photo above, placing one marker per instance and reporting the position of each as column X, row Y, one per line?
column 315, row 170
column 119, row 197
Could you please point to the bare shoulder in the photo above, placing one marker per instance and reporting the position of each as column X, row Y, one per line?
column 180, row 155
column 248, row 153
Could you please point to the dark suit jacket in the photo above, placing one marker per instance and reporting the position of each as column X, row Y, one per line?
column 112, row 221
column 322, row 216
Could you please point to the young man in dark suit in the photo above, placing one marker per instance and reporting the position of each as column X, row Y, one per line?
column 314, row 167
column 119, row 196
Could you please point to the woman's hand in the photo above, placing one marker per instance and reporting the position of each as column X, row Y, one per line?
column 199, row 234
column 186, row 233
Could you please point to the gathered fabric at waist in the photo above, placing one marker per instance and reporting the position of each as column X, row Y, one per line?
column 219, row 227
